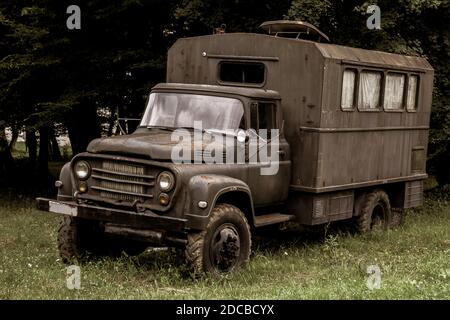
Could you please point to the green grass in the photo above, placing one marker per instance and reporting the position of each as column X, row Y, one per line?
column 414, row 261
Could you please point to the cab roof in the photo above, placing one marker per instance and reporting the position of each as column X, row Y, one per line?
column 204, row 88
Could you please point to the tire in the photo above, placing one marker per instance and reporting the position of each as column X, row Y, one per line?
column 77, row 238
column 80, row 238
column 224, row 246
column 375, row 213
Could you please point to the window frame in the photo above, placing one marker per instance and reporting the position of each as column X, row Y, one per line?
column 416, row 107
column 355, row 90
column 241, row 84
column 379, row 108
column 276, row 120
column 404, row 93
column 384, row 72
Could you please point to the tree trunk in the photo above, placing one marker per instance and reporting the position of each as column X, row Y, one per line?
column 6, row 159
column 31, row 143
column 43, row 149
column 111, row 121
column 15, row 135
column 82, row 126
column 56, row 153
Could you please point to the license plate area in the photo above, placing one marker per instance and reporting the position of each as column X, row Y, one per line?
column 62, row 208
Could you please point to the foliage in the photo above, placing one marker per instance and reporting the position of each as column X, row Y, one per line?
column 50, row 74
column 197, row 17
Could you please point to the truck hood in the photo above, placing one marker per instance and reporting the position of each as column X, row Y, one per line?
column 156, row 145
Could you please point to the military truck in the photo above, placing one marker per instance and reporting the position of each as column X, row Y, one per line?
column 352, row 144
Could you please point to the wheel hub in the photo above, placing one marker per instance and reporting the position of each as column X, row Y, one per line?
column 225, row 248
column 378, row 218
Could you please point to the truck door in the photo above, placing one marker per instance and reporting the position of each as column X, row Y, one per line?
column 269, row 163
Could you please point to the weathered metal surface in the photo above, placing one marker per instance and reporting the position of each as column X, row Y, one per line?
column 210, row 89
column 330, row 147
column 413, row 194
column 313, row 209
column 291, row 76
column 153, row 237
column 273, row 218
column 125, row 217
column 364, row 57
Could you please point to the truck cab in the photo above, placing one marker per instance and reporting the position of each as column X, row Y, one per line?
column 194, row 161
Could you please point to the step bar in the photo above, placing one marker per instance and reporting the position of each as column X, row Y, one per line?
column 273, row 218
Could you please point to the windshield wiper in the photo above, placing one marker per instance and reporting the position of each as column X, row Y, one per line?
column 228, row 133
column 162, row 128
column 209, row 131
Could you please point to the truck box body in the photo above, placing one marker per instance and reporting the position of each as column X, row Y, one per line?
column 333, row 149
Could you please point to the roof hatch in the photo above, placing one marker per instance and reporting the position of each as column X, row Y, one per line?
column 294, row 30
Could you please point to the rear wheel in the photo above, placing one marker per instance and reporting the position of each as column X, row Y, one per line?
column 375, row 214
column 225, row 244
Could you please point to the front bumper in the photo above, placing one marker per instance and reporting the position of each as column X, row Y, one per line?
column 145, row 220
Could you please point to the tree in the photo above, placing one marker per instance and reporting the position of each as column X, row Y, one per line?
column 199, row 17
column 5, row 154
column 51, row 75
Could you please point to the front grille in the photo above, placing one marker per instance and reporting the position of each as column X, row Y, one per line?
column 123, row 181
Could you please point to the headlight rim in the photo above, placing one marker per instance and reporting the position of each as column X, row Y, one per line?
column 88, row 173
column 172, row 181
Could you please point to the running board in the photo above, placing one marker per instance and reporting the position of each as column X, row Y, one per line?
column 273, row 218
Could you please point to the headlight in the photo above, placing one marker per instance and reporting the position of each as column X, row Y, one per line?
column 82, row 170
column 166, row 181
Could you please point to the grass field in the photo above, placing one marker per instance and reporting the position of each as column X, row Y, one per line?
column 414, row 261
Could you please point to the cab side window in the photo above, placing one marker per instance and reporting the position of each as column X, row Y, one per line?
column 242, row 72
column 263, row 116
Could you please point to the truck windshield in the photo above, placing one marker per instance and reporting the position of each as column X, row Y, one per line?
column 176, row 110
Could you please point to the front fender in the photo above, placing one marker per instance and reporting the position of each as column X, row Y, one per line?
column 209, row 188
column 65, row 191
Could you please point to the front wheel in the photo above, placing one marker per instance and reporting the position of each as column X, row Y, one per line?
column 77, row 238
column 225, row 244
